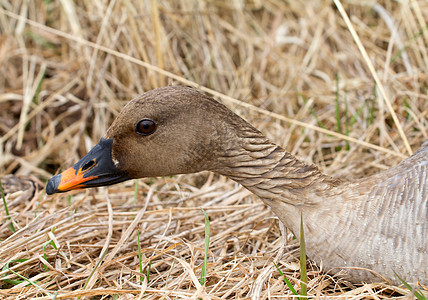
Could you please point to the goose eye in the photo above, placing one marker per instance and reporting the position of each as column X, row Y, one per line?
column 145, row 127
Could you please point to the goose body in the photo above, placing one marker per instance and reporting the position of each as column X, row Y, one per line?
column 369, row 228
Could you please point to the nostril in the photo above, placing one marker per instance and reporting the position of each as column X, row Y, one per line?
column 88, row 165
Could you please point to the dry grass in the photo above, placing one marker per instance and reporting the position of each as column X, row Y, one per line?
column 66, row 71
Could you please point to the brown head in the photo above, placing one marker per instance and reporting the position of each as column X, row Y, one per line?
column 166, row 131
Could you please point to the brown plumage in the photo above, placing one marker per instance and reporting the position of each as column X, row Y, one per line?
column 18, row 189
column 378, row 223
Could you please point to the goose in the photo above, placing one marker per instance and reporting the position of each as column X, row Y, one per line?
column 369, row 229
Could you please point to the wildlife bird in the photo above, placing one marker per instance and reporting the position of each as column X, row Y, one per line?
column 378, row 223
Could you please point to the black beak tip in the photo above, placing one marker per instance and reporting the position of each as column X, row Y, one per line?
column 53, row 184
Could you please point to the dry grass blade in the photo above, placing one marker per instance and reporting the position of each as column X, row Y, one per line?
column 374, row 74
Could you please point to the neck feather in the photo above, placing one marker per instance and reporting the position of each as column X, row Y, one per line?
column 273, row 174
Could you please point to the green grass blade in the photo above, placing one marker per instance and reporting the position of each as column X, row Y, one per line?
column 6, row 267
column 339, row 129
column 5, row 208
column 136, row 191
column 347, row 122
column 29, row 281
column 287, row 282
column 45, row 246
column 139, row 258
column 353, row 119
column 94, row 270
column 371, row 108
column 414, row 37
column 407, row 106
column 303, row 274
column 148, row 271
column 55, row 295
column 417, row 293
column 39, row 88
column 312, row 112
column 207, row 244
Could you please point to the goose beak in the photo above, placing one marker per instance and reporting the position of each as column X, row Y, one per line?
column 95, row 169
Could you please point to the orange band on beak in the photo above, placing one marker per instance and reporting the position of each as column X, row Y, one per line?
column 70, row 180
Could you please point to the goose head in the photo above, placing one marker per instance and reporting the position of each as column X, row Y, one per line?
column 166, row 131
